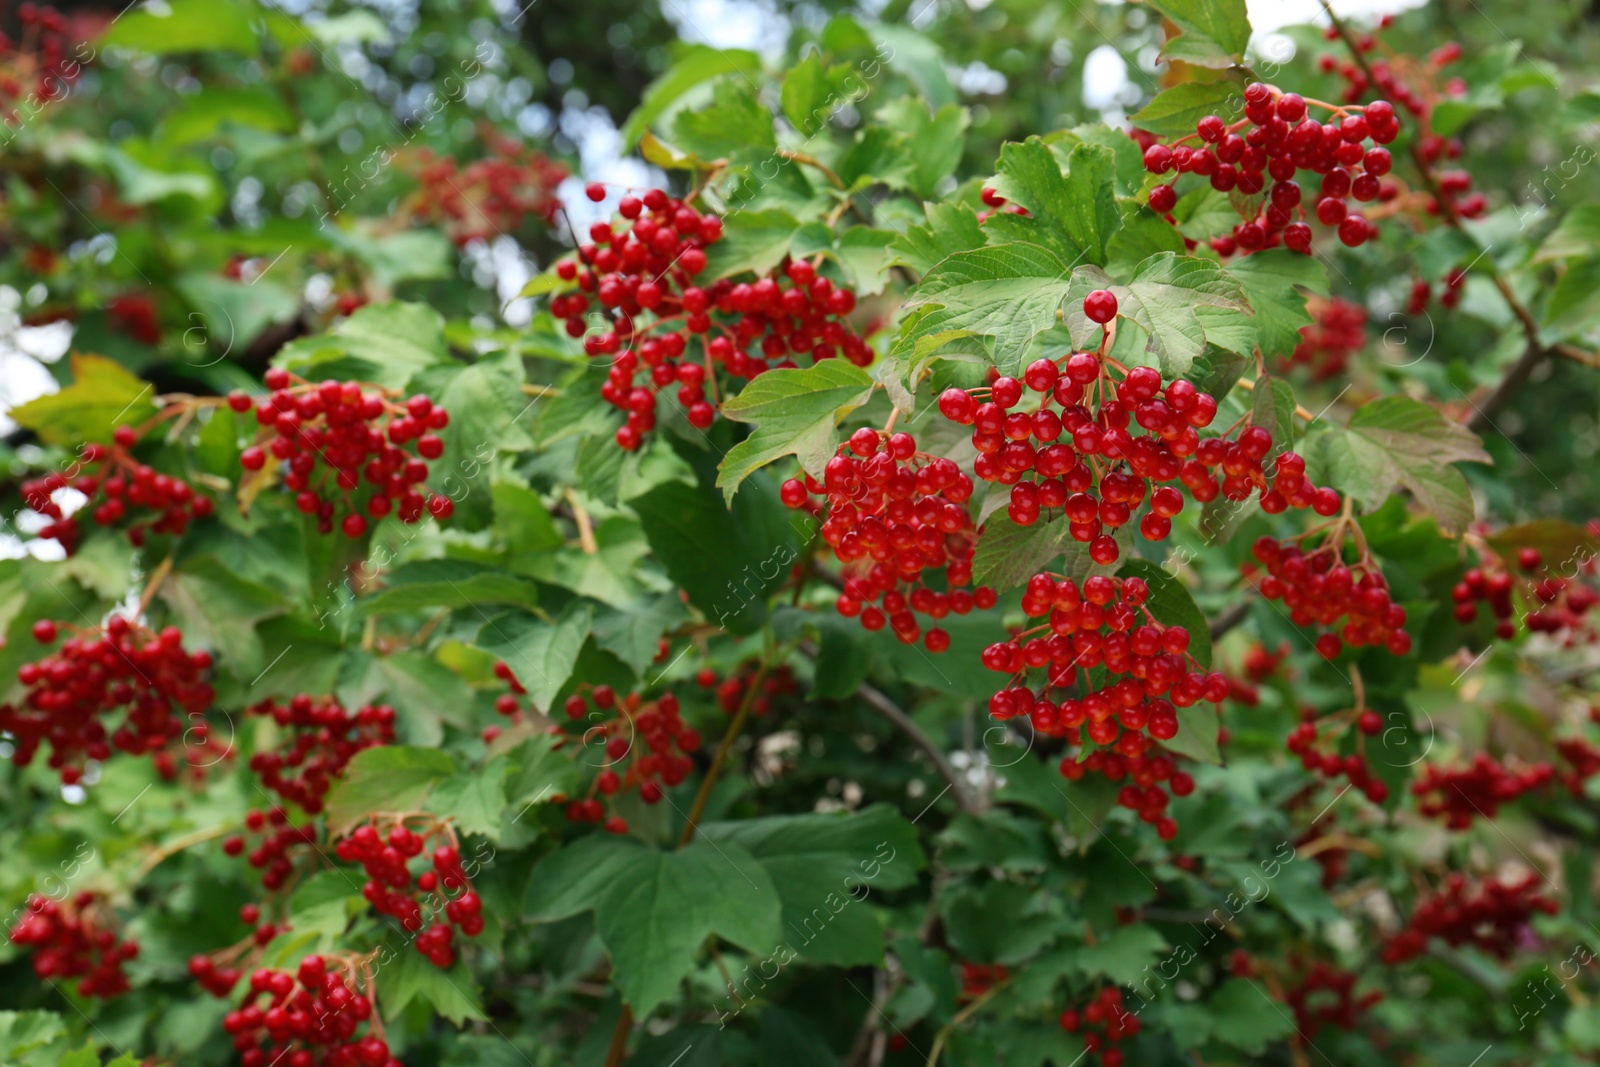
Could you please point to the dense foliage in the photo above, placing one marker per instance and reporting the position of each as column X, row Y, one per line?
column 918, row 556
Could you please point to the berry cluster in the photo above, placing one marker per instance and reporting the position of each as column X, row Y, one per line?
column 1103, row 1023
column 271, row 855
column 1492, row 916
column 489, row 196
column 1276, row 140
column 117, row 486
column 1314, row 741
column 978, row 978
column 1338, row 331
column 1113, row 439
column 44, row 63
column 322, row 738
column 1460, row 794
column 1449, row 295
column 647, row 269
column 1145, row 671
column 1318, row 588
column 1584, row 757
column 307, row 1019
column 997, row 204
column 329, row 436
column 71, row 940
column 134, row 314
column 731, row 691
column 157, row 687
column 392, row 888
column 217, row 980
column 893, row 515
column 1153, row 779
column 1417, row 86
column 659, row 762
column 1558, row 604
column 1325, row 995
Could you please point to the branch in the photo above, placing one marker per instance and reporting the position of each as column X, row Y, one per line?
column 881, row 703
column 1229, row 618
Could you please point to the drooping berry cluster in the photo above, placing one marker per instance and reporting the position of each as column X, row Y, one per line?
column 1491, row 916
column 732, row 690
column 490, row 196
column 1338, row 332
column 273, row 854
column 147, row 678
column 646, row 747
column 894, row 514
column 1120, row 431
column 1315, row 741
column 1556, row 604
column 1417, row 86
column 1318, row 588
column 1104, row 1023
column 307, row 1019
column 73, row 939
column 44, row 63
column 117, row 486
column 1147, row 671
column 385, row 847
column 1458, row 795
column 641, row 275
column 134, row 314
column 1324, row 994
column 978, row 978
column 333, row 437
column 1277, row 139
column 320, row 741
column 1152, row 777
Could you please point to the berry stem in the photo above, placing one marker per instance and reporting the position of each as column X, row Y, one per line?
column 177, row 845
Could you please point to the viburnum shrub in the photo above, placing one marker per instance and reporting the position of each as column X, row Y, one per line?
column 931, row 544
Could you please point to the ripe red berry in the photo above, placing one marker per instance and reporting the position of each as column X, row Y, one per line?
column 1100, row 306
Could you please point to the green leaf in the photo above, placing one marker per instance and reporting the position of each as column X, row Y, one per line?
column 231, row 314
column 488, row 416
column 358, row 27
column 387, row 778
column 726, row 561
column 811, row 90
column 917, row 57
column 475, row 800
column 1213, row 33
column 541, row 653
column 1073, row 215
column 1271, row 281
column 1578, row 236
column 382, row 343
column 1204, row 213
column 1175, row 111
column 219, row 608
column 796, row 413
column 24, row 1031
column 1244, row 1016
column 1012, row 293
column 102, row 397
column 754, row 241
column 411, row 255
column 184, row 26
column 997, row 922
column 1122, row 956
column 826, row 868
column 446, row 583
column 1162, row 299
column 423, row 691
column 1574, row 306
column 654, row 910
column 734, row 122
column 325, row 903
column 404, row 974
column 1008, row 555
column 877, row 156
column 1272, row 408
column 633, row 633
column 951, row 227
column 933, row 143
column 1398, row 442
column 695, row 65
